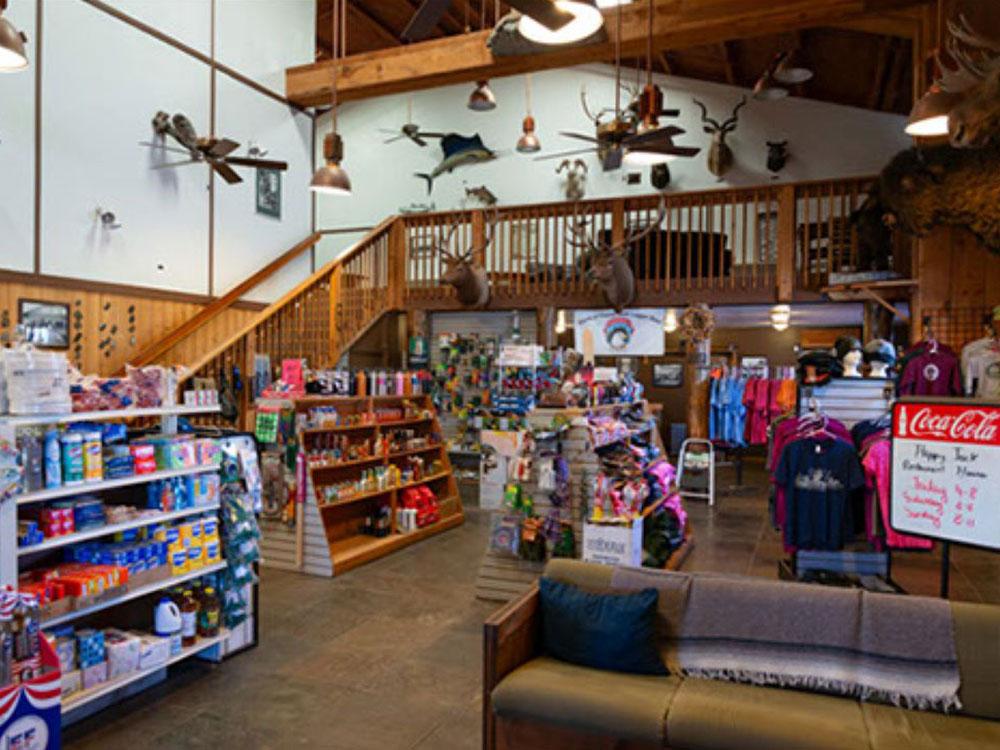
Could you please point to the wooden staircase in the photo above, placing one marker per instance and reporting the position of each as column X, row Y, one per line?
column 761, row 244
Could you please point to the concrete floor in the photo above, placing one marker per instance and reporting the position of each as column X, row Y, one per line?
column 389, row 655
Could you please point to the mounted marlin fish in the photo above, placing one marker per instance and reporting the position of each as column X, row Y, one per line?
column 459, row 151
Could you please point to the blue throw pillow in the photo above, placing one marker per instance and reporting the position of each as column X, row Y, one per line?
column 604, row 631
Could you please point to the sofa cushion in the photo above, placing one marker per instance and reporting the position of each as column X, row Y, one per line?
column 713, row 715
column 589, row 576
column 620, row 705
column 891, row 728
column 605, row 631
column 977, row 641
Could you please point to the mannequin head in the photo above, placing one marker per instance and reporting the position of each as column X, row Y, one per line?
column 880, row 356
column 849, row 353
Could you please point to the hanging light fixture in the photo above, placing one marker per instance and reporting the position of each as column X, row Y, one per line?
column 561, row 325
column 768, row 89
column 670, row 320
column 12, row 53
column 586, row 20
column 929, row 115
column 331, row 178
column 528, row 143
column 482, row 98
column 790, row 74
column 781, row 316
column 650, row 107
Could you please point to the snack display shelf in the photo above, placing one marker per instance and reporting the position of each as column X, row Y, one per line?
column 372, row 459
column 366, row 426
column 414, row 451
column 82, row 536
column 385, row 491
column 21, row 420
column 131, row 594
column 84, row 697
column 109, row 484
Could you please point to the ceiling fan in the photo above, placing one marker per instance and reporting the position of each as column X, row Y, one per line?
column 212, row 151
column 410, row 129
column 430, row 12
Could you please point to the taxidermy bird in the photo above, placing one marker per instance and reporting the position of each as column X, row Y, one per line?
column 212, row 151
column 459, row 151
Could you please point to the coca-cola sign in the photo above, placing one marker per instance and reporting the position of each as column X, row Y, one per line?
column 949, row 423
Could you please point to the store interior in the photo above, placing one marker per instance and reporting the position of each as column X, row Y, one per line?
column 537, row 374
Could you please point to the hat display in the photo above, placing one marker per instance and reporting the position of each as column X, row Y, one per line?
column 817, row 367
column 880, row 350
column 846, row 345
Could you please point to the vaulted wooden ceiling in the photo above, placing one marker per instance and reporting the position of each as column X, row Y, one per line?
column 864, row 64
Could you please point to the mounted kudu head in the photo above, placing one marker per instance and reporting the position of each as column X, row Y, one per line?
column 975, row 119
column 720, row 156
column 610, row 266
column 462, row 270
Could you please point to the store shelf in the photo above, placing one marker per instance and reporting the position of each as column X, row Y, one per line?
column 414, row 451
column 82, row 536
column 345, row 464
column 385, row 491
column 365, row 426
column 109, row 484
column 133, row 594
column 84, row 697
column 357, row 550
column 20, row 420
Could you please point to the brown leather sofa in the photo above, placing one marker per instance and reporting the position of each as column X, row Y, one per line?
column 533, row 701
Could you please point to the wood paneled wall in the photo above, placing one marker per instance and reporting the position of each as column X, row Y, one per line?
column 122, row 322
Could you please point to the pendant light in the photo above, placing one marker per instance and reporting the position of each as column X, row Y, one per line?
column 650, row 106
column 670, row 321
column 528, row 143
column 929, row 115
column 482, row 98
column 781, row 316
column 12, row 53
column 587, row 20
column 561, row 324
column 331, row 178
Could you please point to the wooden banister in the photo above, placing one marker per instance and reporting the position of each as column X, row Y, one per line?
column 160, row 347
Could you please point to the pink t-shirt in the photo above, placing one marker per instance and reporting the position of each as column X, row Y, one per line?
column 876, row 465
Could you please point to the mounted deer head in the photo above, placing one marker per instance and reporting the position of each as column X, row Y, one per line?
column 720, row 156
column 462, row 269
column 610, row 267
column 976, row 118
column 777, row 156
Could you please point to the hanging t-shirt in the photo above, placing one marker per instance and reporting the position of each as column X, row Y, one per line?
column 932, row 373
column 819, row 475
column 714, row 408
column 981, row 360
column 877, row 464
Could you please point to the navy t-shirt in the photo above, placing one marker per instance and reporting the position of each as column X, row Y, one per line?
column 819, row 475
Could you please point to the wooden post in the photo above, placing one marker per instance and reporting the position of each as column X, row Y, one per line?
column 335, row 338
column 479, row 235
column 696, row 367
column 397, row 265
column 617, row 220
column 546, row 317
column 786, row 243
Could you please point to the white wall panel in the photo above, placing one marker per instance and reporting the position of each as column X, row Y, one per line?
column 96, row 107
column 17, row 149
column 332, row 246
column 824, row 141
column 187, row 21
column 245, row 240
column 260, row 38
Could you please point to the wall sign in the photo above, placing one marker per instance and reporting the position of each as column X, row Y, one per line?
column 269, row 192
column 45, row 324
column 946, row 470
column 670, row 375
column 630, row 333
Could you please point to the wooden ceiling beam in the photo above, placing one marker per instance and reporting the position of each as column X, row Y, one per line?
column 727, row 62
column 373, row 22
column 676, row 24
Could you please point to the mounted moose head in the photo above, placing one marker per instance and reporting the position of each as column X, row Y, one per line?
column 976, row 118
column 777, row 156
column 720, row 156
column 610, row 267
column 463, row 271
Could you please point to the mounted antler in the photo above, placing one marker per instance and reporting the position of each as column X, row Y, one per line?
column 975, row 119
column 730, row 125
column 706, row 119
column 463, row 270
column 720, row 156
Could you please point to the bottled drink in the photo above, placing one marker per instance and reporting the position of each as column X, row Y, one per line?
column 210, row 614
column 189, row 619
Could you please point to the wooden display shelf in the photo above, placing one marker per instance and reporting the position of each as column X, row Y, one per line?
column 342, row 520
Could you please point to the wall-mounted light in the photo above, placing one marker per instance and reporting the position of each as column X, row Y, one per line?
column 12, row 53
column 670, row 321
column 561, row 322
column 587, row 20
column 107, row 218
column 781, row 316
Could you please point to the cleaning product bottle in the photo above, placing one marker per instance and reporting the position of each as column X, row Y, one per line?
column 53, row 457
column 167, row 623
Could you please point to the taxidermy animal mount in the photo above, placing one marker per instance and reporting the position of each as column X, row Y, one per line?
column 720, row 156
column 212, row 151
column 609, row 133
column 481, row 195
column 777, row 156
column 575, row 184
column 610, row 262
column 458, row 150
column 463, row 269
column 659, row 176
column 922, row 188
column 975, row 120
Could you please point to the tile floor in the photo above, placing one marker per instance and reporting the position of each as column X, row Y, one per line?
column 389, row 655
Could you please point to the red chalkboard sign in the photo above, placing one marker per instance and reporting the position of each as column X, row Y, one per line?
column 946, row 470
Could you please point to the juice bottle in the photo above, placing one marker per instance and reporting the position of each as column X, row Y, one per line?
column 361, row 383
column 210, row 614
column 189, row 619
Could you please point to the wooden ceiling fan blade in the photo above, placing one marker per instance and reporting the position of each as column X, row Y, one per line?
column 670, row 113
column 222, row 147
column 579, row 136
column 425, row 20
column 657, row 135
column 543, row 11
column 226, row 172
column 246, row 161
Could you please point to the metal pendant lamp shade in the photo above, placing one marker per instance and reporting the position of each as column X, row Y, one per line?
column 482, row 98
column 12, row 53
column 789, row 74
column 528, row 143
column 768, row 89
column 586, row 21
column 929, row 116
column 331, row 178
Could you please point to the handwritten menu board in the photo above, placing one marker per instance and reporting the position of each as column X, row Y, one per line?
column 946, row 470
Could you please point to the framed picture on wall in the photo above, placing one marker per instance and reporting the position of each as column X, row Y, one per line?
column 269, row 192
column 670, row 375
column 45, row 324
